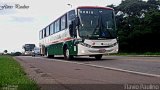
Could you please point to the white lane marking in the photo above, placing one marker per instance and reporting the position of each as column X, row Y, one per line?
column 110, row 68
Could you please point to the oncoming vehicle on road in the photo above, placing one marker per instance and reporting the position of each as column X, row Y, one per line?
column 36, row 51
column 28, row 49
column 85, row 30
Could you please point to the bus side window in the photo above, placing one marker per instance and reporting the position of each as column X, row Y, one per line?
column 40, row 35
column 63, row 22
column 57, row 26
column 44, row 33
column 52, row 28
column 71, row 16
column 47, row 31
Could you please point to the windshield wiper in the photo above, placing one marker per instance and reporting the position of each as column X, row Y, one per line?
column 111, row 36
column 98, row 26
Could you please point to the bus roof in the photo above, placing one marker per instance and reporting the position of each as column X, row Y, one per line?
column 99, row 7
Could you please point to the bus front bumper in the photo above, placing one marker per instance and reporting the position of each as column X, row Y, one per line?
column 82, row 50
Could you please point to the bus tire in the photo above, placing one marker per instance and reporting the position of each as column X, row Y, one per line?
column 49, row 56
column 66, row 55
column 98, row 57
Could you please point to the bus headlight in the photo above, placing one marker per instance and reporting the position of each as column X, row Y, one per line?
column 78, row 41
column 114, row 44
column 86, row 45
column 82, row 51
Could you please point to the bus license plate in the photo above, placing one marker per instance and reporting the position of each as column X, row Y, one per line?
column 102, row 50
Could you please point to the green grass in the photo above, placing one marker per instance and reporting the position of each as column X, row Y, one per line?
column 12, row 76
column 145, row 54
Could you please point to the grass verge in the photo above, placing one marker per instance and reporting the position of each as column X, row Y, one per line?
column 139, row 54
column 12, row 76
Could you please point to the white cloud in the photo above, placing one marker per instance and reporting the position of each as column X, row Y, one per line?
column 22, row 19
column 7, row 12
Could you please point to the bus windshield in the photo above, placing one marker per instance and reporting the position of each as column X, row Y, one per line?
column 97, row 23
column 29, row 47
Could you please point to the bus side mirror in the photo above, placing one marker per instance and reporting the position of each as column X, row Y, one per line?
column 72, row 29
column 77, row 21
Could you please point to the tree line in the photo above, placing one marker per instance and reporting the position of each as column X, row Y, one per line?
column 138, row 25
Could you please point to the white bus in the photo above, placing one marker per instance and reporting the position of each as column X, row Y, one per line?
column 85, row 30
column 28, row 49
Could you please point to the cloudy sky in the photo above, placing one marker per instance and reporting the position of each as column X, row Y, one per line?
column 19, row 26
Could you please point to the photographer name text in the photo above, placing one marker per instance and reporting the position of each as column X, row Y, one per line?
column 15, row 6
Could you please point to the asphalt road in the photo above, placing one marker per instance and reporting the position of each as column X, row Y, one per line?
column 83, row 73
column 150, row 65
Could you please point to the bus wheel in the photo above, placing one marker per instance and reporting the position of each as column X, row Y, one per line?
column 98, row 57
column 66, row 55
column 49, row 56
